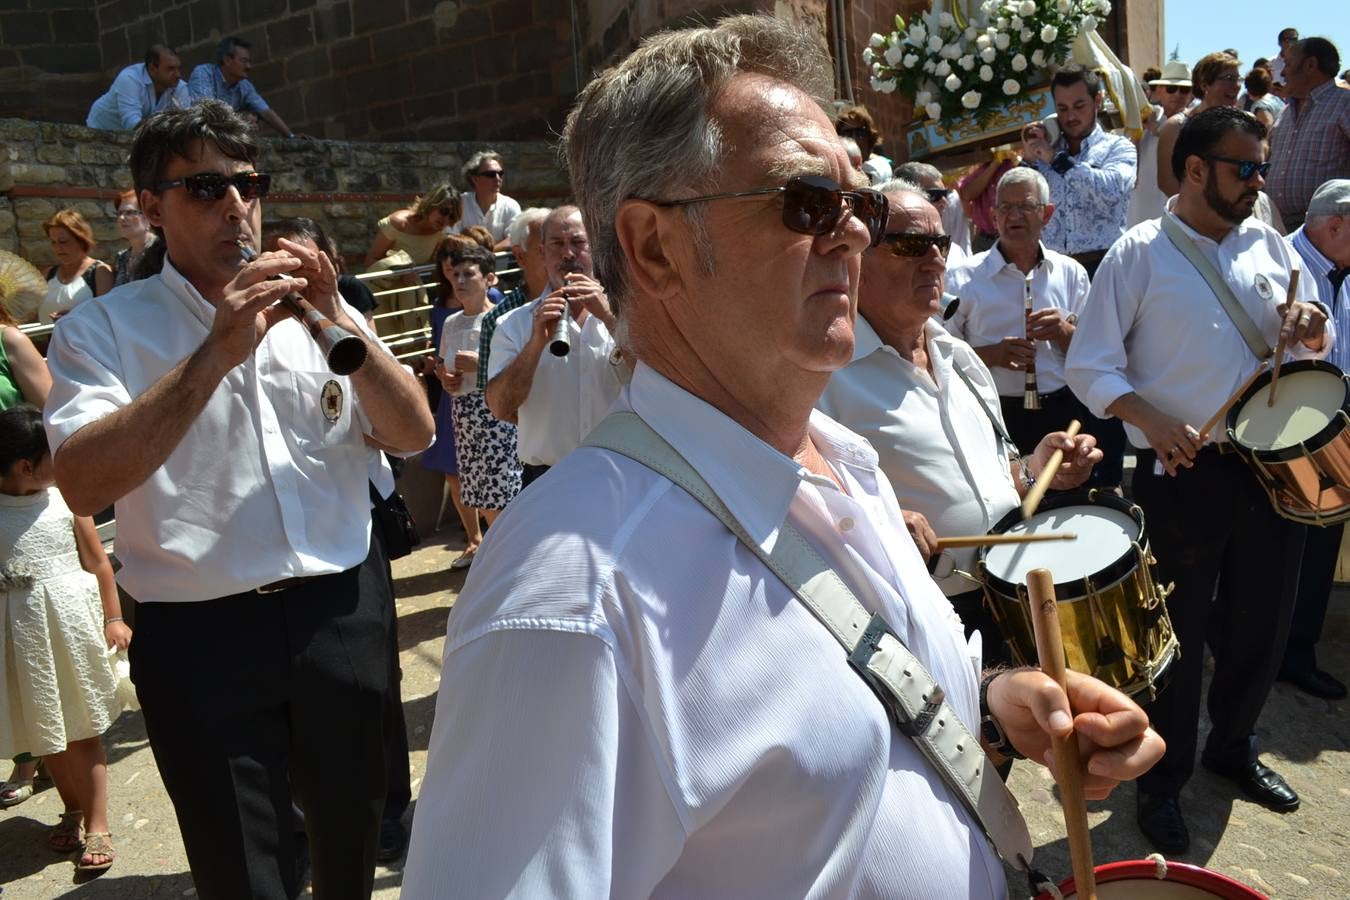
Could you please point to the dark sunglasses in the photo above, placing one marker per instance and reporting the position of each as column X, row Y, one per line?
column 1174, row 88
column 936, row 195
column 495, row 173
column 815, row 205
column 1246, row 168
column 913, row 246
column 213, row 186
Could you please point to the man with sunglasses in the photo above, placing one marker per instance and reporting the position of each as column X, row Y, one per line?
column 666, row 718
column 948, row 204
column 238, row 464
column 484, row 203
column 929, row 406
column 1170, row 92
column 1310, row 143
column 1158, row 347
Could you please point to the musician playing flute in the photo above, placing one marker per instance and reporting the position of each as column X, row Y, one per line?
column 1159, row 348
column 930, row 409
column 991, row 316
column 237, row 463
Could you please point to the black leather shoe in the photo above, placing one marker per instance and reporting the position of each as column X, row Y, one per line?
column 393, row 838
column 1261, row 783
column 1161, row 822
column 1317, row 683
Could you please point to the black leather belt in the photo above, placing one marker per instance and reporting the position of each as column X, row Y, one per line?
column 286, row 584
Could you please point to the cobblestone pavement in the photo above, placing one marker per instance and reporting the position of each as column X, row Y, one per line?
column 1305, row 854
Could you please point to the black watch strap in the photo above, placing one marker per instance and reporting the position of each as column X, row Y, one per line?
column 991, row 733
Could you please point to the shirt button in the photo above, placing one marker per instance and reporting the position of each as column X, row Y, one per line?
column 846, row 524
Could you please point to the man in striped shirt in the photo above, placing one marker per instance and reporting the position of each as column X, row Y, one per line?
column 1311, row 140
column 1323, row 243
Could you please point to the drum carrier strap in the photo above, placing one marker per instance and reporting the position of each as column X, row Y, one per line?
column 914, row 700
column 1231, row 305
column 993, row 419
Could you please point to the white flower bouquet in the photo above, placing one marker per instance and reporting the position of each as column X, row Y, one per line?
column 953, row 67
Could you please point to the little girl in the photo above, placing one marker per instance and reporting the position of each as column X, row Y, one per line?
column 59, row 616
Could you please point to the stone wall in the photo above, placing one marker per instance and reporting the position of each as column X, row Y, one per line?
column 50, row 63
column 346, row 186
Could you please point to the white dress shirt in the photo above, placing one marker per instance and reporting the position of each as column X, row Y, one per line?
column 1316, row 267
column 570, row 394
column 931, row 434
column 132, row 98
column 263, row 486
column 993, row 307
column 1152, row 325
column 496, row 219
column 653, row 713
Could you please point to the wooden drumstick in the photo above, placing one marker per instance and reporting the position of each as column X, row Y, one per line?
column 1279, row 347
column 1068, row 764
column 1227, row 404
column 1037, row 492
column 989, row 540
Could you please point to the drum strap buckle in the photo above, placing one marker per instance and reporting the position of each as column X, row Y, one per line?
column 913, row 726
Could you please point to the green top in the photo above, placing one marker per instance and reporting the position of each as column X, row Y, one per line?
column 10, row 395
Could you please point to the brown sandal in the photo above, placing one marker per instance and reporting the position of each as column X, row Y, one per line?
column 64, row 836
column 97, row 843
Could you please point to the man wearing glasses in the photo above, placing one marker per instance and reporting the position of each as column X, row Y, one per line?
column 237, row 462
column 1158, row 348
column 665, row 718
column 484, row 202
column 929, row 406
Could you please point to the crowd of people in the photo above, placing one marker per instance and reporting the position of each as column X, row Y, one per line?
column 755, row 350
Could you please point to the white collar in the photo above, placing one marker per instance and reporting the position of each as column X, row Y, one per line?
column 1169, row 210
column 184, row 290
column 756, row 482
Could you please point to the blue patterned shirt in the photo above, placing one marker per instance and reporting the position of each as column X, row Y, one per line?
column 208, row 83
column 1317, row 267
column 1092, row 197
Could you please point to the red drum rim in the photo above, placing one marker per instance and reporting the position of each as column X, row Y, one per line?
column 1177, row 872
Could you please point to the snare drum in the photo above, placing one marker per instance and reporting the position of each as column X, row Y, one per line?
column 1151, row 880
column 1300, row 447
column 1111, row 612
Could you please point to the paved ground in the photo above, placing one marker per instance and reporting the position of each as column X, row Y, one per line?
column 1302, row 855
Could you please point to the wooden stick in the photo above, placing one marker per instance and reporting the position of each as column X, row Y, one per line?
column 1068, row 765
column 1227, row 404
column 1279, row 347
column 988, row 540
column 1037, row 492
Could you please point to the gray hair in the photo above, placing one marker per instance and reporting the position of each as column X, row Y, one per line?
column 917, row 171
column 1024, row 175
column 477, row 160
column 641, row 129
column 901, row 186
column 562, row 212
column 518, row 232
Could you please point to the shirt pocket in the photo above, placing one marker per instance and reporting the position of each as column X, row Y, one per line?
column 317, row 412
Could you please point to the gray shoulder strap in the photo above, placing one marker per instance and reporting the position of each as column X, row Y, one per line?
column 1231, row 305
column 915, row 701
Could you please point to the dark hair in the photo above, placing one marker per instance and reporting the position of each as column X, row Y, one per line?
column 181, row 132
column 1203, row 132
column 1152, row 73
column 228, row 45
column 480, row 236
column 1257, row 82
column 156, row 52
column 298, row 228
column 857, row 122
column 21, row 436
column 1322, row 50
column 1072, row 74
column 1261, row 63
column 1286, row 33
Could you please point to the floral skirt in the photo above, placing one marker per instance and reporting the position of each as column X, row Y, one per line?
column 489, row 468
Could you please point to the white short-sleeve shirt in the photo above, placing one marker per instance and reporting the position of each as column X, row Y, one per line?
column 496, row 218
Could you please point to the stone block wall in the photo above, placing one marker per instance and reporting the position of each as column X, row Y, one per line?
column 346, row 186
column 50, row 62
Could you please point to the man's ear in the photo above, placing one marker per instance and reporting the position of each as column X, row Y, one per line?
column 646, row 232
column 490, row 279
column 150, row 208
column 1047, row 212
column 1194, row 170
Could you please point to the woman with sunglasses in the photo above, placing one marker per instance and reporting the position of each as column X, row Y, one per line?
column 77, row 276
column 1214, row 81
column 485, row 204
column 132, row 225
column 408, row 237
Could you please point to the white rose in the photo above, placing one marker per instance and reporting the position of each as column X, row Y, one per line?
column 929, row 66
column 911, row 60
column 934, row 111
column 1001, row 40
column 1038, row 57
column 1049, row 33
column 917, row 34
column 984, row 42
column 894, row 54
column 951, row 51
column 875, row 40
column 986, row 73
column 876, row 83
column 945, row 20
column 887, row 86
column 1028, row 8
column 1001, row 23
column 922, row 98
column 934, row 42
column 966, row 62
column 1015, row 24
column 971, row 33
column 943, row 68
column 1063, row 6
column 868, row 56
column 1011, row 87
column 970, row 99
column 1103, row 8
column 952, row 83
column 1089, row 23
column 876, row 69
column 1027, row 34
column 1019, row 63
column 988, row 54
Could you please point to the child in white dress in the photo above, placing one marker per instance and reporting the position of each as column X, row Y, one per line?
column 60, row 614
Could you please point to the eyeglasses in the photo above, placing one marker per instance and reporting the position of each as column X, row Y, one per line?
column 1175, row 88
column 1029, row 209
column 936, row 195
column 815, row 205
column 213, row 186
column 913, row 246
column 1231, row 78
column 493, row 173
column 1246, row 168
column 129, row 214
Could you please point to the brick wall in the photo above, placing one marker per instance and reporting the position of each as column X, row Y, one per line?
column 346, row 186
column 50, row 63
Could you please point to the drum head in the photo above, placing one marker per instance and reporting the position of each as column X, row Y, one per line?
column 1105, row 534
column 1139, row 879
column 1306, row 402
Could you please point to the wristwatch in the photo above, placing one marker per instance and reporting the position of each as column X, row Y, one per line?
column 1062, row 162
column 1072, row 319
column 991, row 733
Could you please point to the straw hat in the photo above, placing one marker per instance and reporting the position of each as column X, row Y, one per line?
column 1174, row 73
column 22, row 287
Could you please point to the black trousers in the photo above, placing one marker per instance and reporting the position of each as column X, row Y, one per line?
column 252, row 698
column 974, row 614
column 1314, row 589
column 1235, row 565
column 1028, row 426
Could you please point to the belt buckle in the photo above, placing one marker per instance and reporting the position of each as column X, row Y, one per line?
column 858, row 659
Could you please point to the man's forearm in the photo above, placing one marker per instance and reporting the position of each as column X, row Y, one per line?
column 507, row 392
column 107, row 459
column 393, row 401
